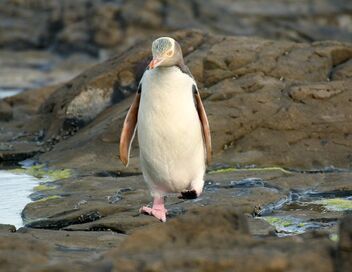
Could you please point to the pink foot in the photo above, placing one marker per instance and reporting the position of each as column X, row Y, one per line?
column 159, row 214
column 158, row 210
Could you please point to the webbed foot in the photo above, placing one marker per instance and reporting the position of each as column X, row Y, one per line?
column 158, row 210
column 157, row 213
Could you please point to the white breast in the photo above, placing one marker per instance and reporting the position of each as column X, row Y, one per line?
column 169, row 131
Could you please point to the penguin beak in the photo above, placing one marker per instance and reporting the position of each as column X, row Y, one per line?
column 155, row 63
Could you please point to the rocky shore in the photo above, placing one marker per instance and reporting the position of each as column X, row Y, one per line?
column 278, row 194
column 270, row 105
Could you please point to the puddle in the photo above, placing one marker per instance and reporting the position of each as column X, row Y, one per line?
column 19, row 186
column 14, row 195
column 308, row 211
column 6, row 92
column 245, row 183
column 289, row 225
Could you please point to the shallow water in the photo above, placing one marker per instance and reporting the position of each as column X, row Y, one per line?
column 308, row 211
column 8, row 92
column 14, row 195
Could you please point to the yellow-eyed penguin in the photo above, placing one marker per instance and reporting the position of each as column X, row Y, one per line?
column 173, row 129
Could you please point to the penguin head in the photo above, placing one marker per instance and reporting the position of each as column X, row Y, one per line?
column 166, row 52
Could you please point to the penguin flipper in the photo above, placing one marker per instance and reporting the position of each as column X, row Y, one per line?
column 205, row 124
column 129, row 130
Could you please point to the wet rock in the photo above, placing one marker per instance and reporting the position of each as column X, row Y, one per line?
column 210, row 231
column 260, row 227
column 113, row 203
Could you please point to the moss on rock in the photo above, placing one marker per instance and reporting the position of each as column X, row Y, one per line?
column 336, row 204
column 41, row 171
column 43, row 187
column 49, row 198
column 233, row 169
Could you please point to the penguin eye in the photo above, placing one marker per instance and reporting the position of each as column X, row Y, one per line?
column 169, row 53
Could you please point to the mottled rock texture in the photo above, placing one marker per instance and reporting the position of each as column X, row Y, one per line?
column 269, row 103
column 345, row 245
column 90, row 25
column 215, row 240
column 43, row 250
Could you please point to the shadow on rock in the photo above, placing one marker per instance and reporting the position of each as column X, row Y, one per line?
column 216, row 239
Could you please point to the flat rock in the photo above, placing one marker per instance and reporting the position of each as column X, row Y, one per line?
column 91, row 203
column 215, row 239
column 270, row 104
column 36, row 250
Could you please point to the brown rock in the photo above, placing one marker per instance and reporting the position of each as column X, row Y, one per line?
column 343, row 71
column 82, row 99
column 45, row 250
column 9, row 228
column 214, row 239
column 28, row 102
column 88, row 26
column 5, row 111
column 344, row 252
column 17, row 253
column 268, row 104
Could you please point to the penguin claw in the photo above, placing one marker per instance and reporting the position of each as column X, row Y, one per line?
column 157, row 213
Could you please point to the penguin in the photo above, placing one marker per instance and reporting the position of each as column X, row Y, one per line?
column 172, row 126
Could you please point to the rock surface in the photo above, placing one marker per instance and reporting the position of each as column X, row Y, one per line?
column 270, row 103
column 43, row 250
column 345, row 245
column 97, row 26
column 215, row 240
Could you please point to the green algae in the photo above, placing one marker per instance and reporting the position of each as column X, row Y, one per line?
column 335, row 204
column 232, row 169
column 40, row 171
column 59, row 174
column 334, row 237
column 48, row 198
column 285, row 225
column 278, row 221
column 43, row 187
